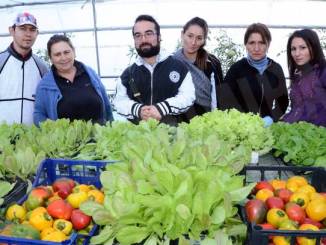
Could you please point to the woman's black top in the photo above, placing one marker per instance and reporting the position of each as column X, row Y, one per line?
column 79, row 99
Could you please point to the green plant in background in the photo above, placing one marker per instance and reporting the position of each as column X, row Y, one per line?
column 227, row 51
column 178, row 46
column 43, row 54
column 300, row 143
column 132, row 53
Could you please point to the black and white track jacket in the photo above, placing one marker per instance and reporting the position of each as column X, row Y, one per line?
column 167, row 85
column 19, row 77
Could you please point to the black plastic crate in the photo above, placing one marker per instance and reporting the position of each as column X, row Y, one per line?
column 17, row 192
column 316, row 176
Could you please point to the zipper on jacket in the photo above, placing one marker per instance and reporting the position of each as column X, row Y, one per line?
column 22, row 101
column 262, row 85
column 151, row 69
column 262, row 93
column 152, row 72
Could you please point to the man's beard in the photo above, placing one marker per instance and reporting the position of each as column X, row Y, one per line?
column 148, row 52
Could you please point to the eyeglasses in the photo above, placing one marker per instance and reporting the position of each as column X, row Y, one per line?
column 148, row 35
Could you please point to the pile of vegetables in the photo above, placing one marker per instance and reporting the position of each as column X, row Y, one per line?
column 23, row 147
column 234, row 127
column 301, row 143
column 16, row 158
column 51, row 213
column 291, row 204
column 15, row 162
column 169, row 184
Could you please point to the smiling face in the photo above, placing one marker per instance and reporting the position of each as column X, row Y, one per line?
column 62, row 56
column 256, row 47
column 24, row 37
column 300, row 51
column 192, row 39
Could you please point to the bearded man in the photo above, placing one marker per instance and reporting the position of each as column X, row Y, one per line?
column 156, row 86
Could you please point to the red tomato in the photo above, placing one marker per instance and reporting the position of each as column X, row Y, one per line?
column 295, row 212
column 274, row 202
column 79, row 220
column 63, row 186
column 256, row 211
column 267, row 226
column 60, row 209
column 284, row 194
column 263, row 185
column 312, row 222
column 37, row 197
column 323, row 241
column 42, row 192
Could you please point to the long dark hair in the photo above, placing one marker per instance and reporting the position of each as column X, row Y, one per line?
column 312, row 41
column 202, row 54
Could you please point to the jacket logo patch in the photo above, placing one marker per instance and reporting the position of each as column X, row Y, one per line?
column 174, row 76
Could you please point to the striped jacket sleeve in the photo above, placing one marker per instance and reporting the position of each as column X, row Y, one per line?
column 182, row 101
column 124, row 105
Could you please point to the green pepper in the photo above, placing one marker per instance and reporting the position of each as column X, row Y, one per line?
column 25, row 231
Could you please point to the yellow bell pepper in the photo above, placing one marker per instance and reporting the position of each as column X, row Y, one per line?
column 47, row 231
column 75, row 199
column 55, row 236
column 16, row 212
column 300, row 198
column 81, row 187
column 63, row 225
column 96, row 195
column 306, row 240
column 40, row 219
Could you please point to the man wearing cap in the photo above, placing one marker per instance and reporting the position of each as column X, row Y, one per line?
column 20, row 72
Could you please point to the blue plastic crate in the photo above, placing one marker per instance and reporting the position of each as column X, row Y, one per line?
column 81, row 171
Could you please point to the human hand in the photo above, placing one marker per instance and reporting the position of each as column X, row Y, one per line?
column 145, row 112
column 150, row 111
column 154, row 113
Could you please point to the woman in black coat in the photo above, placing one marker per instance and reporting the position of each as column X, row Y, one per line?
column 256, row 83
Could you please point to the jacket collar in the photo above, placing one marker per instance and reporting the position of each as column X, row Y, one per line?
column 159, row 58
column 14, row 53
column 48, row 81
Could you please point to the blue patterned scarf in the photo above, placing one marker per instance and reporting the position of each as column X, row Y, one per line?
column 260, row 65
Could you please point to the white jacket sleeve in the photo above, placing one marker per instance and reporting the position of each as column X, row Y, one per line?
column 182, row 101
column 124, row 105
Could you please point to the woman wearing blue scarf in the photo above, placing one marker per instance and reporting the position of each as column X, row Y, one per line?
column 256, row 83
